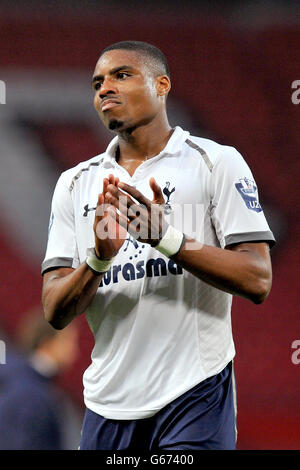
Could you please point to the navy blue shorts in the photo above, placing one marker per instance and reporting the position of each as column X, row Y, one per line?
column 202, row 418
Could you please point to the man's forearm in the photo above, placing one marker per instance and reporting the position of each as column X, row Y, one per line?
column 67, row 293
column 242, row 271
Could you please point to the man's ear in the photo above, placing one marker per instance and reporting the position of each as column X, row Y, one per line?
column 163, row 85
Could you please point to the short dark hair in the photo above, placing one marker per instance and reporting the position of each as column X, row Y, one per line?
column 156, row 56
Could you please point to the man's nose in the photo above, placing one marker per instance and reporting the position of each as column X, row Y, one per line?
column 107, row 88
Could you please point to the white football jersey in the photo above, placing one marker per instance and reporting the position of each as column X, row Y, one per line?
column 158, row 329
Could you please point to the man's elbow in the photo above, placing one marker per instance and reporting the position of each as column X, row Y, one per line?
column 53, row 317
column 261, row 290
column 50, row 318
column 56, row 324
column 57, row 319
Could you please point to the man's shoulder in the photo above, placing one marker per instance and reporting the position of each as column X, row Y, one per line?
column 70, row 175
column 210, row 149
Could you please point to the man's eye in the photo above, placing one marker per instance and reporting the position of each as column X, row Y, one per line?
column 122, row 75
column 97, row 85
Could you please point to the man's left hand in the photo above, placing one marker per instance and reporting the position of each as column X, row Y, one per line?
column 142, row 218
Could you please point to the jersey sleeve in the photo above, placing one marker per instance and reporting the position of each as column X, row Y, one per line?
column 61, row 247
column 236, row 211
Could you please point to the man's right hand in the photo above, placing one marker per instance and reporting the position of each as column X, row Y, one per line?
column 109, row 235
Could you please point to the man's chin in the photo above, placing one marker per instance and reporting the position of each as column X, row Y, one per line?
column 115, row 124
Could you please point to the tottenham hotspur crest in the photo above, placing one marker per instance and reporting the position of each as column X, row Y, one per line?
column 167, row 191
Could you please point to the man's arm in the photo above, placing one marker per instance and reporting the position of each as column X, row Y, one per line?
column 67, row 292
column 243, row 269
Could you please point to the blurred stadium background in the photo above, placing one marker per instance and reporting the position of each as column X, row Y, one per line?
column 232, row 64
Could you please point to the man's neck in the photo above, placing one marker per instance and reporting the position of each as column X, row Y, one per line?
column 144, row 142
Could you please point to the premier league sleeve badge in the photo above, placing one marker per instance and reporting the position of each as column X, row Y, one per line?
column 248, row 191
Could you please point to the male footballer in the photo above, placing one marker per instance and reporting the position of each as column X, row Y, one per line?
column 154, row 277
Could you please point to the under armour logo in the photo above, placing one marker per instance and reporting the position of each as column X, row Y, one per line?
column 87, row 210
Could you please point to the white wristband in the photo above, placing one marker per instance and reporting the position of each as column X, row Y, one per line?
column 171, row 242
column 97, row 265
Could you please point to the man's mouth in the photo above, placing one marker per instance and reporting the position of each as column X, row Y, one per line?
column 109, row 103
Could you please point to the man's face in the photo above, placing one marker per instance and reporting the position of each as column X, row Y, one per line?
column 125, row 90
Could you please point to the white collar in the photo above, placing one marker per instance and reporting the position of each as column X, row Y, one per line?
column 174, row 144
